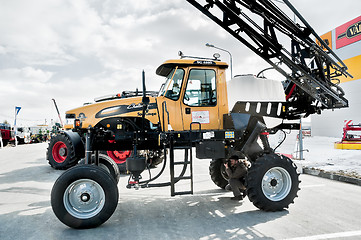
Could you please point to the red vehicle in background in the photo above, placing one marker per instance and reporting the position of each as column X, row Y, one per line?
column 6, row 133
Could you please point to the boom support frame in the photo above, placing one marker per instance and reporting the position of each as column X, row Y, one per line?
column 311, row 72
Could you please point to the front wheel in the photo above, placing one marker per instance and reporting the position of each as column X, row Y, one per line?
column 107, row 164
column 85, row 196
column 272, row 182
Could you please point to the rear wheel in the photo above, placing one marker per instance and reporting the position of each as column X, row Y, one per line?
column 155, row 157
column 120, row 158
column 60, row 153
column 218, row 173
column 272, row 182
column 84, row 196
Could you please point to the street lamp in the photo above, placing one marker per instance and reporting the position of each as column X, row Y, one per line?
column 230, row 55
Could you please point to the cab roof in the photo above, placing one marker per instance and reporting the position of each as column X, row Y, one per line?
column 167, row 66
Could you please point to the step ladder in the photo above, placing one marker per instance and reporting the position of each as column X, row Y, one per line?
column 187, row 161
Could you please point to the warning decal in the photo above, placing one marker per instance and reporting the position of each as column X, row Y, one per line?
column 200, row 116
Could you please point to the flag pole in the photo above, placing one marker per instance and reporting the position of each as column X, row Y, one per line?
column 17, row 109
column 1, row 140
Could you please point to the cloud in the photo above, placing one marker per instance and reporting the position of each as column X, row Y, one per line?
column 47, row 32
column 18, row 76
column 2, row 50
column 74, row 51
column 23, row 87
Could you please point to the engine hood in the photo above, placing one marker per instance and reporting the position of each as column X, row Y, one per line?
column 91, row 114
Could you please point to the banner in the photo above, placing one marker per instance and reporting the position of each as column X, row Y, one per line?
column 348, row 33
column 17, row 110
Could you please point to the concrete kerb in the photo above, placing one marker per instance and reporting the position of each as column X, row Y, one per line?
column 331, row 176
column 322, row 173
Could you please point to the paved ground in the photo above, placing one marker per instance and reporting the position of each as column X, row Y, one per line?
column 322, row 159
column 325, row 209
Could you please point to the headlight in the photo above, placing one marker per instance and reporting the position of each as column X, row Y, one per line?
column 77, row 123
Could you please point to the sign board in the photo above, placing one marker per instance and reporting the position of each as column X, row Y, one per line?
column 348, row 33
column 327, row 38
column 200, row 116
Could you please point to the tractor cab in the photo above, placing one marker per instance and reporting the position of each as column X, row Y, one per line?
column 194, row 91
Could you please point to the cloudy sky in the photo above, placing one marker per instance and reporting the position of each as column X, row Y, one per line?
column 76, row 50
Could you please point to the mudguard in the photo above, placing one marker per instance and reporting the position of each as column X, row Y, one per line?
column 77, row 143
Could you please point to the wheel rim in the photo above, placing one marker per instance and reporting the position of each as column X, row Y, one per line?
column 119, row 157
column 84, row 198
column 276, row 184
column 60, row 152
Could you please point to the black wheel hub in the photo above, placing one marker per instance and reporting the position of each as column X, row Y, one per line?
column 274, row 182
column 62, row 152
column 85, row 197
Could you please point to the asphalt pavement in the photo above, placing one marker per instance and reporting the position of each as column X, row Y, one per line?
column 325, row 209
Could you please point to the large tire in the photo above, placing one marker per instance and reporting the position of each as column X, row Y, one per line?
column 272, row 182
column 60, row 153
column 108, row 165
column 218, row 173
column 5, row 142
column 120, row 158
column 20, row 140
column 85, row 196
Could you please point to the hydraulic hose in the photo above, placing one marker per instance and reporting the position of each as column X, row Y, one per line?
column 145, row 184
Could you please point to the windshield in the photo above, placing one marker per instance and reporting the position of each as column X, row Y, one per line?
column 172, row 86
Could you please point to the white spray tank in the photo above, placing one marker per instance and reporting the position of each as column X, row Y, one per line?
column 250, row 88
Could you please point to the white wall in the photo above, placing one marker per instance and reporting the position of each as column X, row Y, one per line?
column 330, row 123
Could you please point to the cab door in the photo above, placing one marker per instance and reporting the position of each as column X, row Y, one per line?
column 169, row 101
column 199, row 103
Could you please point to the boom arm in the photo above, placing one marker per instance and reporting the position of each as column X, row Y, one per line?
column 310, row 71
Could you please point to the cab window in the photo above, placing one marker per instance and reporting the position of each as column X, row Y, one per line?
column 172, row 87
column 201, row 88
